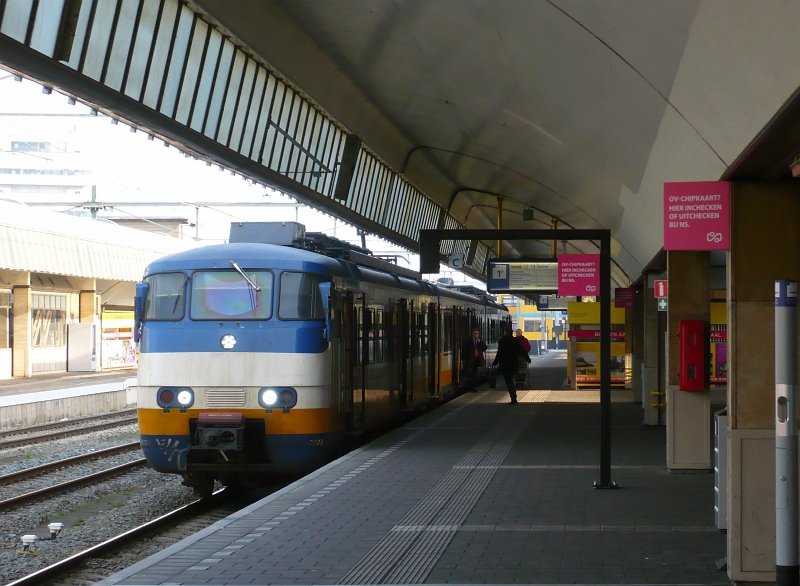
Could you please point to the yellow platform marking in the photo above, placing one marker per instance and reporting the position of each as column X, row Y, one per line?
column 498, row 396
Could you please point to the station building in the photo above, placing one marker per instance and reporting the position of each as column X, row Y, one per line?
column 66, row 290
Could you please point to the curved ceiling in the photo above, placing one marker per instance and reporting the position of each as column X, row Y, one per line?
column 579, row 109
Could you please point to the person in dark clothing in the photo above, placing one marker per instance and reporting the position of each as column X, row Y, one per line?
column 507, row 359
column 472, row 358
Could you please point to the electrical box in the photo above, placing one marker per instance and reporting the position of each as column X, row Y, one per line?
column 692, row 355
column 281, row 233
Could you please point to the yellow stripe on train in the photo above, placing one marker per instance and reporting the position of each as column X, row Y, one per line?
column 296, row 421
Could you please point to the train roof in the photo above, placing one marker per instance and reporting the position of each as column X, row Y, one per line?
column 272, row 256
column 219, row 256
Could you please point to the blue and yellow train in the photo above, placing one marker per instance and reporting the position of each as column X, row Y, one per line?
column 259, row 358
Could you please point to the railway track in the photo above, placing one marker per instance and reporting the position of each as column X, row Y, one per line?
column 173, row 526
column 32, row 435
column 49, row 491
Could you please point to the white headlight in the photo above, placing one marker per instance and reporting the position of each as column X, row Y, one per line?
column 185, row 398
column 268, row 397
column 228, row 341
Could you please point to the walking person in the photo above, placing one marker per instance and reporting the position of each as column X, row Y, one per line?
column 507, row 359
column 472, row 358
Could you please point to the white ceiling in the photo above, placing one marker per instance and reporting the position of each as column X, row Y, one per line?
column 581, row 109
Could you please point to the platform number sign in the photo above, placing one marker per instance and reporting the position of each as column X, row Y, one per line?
column 660, row 290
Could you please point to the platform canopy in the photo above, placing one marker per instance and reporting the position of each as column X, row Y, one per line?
column 38, row 241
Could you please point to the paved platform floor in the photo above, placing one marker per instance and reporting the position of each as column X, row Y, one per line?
column 475, row 492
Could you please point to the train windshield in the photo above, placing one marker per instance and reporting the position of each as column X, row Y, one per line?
column 300, row 297
column 227, row 294
column 166, row 297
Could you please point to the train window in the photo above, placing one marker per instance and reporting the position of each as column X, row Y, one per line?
column 300, row 297
column 166, row 297
column 380, row 340
column 447, row 330
column 222, row 295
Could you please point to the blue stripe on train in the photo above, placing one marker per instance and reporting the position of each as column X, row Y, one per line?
column 303, row 337
column 287, row 453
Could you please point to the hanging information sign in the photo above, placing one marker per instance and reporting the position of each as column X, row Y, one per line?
column 578, row 274
column 697, row 215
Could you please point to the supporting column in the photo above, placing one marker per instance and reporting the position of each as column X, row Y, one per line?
column 765, row 247
column 653, row 396
column 21, row 347
column 688, row 413
column 88, row 306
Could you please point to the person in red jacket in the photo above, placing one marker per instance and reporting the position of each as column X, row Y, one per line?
column 523, row 342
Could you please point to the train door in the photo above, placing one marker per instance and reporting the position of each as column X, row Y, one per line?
column 343, row 348
column 431, row 329
column 406, row 359
column 364, row 336
column 465, row 322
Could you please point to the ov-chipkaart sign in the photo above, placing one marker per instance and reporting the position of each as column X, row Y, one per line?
column 578, row 275
column 697, row 215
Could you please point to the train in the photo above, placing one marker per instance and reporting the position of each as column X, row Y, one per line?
column 261, row 356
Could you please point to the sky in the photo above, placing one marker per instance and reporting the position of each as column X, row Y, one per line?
column 126, row 166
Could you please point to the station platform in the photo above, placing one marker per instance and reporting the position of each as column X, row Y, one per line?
column 63, row 380
column 477, row 491
column 45, row 398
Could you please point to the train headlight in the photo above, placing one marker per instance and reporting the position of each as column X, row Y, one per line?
column 228, row 341
column 277, row 398
column 268, row 397
column 175, row 398
column 185, row 398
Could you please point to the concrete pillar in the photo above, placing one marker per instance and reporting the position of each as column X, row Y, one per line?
column 765, row 247
column 652, row 387
column 88, row 306
column 21, row 347
column 688, row 413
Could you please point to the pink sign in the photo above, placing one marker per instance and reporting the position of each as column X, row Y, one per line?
column 623, row 297
column 697, row 215
column 578, row 274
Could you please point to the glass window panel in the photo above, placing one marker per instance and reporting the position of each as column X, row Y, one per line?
column 48, row 320
column 166, row 297
column 300, row 297
column 264, row 121
column 231, row 95
column 269, row 145
column 193, row 68
column 121, row 44
column 80, row 35
column 45, row 29
column 227, row 295
column 177, row 62
column 243, row 107
column 206, row 79
column 16, row 18
column 141, row 48
column 223, row 65
column 99, row 39
column 303, row 168
column 160, row 53
column 380, row 201
column 253, row 118
column 5, row 319
column 280, row 112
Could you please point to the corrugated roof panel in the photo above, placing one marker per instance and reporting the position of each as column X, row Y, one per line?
column 47, row 242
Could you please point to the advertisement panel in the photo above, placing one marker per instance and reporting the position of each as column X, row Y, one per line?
column 578, row 275
column 697, row 215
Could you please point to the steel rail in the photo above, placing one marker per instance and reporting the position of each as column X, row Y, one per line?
column 36, row 470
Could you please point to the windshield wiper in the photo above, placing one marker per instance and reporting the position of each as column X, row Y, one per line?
column 239, row 270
